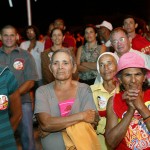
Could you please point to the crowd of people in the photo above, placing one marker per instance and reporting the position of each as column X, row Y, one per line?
column 86, row 92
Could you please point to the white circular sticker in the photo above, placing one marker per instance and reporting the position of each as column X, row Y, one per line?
column 18, row 65
column 3, row 102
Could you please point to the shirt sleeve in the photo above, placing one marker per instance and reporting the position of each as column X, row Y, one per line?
column 12, row 83
column 30, row 72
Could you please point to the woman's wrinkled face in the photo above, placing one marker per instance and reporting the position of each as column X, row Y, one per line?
column 132, row 78
column 62, row 67
column 107, row 67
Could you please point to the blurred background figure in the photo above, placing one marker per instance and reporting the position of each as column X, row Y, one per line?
column 87, row 55
column 79, row 39
column 47, row 40
column 35, row 47
column 0, row 43
column 57, row 36
column 69, row 40
column 138, row 41
column 103, row 34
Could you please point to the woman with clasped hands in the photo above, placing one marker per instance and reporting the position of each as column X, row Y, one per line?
column 128, row 112
column 65, row 105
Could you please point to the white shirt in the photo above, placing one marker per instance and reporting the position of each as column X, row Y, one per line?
column 36, row 53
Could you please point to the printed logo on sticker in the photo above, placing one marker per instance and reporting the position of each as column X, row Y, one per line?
column 19, row 64
column 102, row 102
column 3, row 102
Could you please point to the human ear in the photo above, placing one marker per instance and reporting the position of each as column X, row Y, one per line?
column 74, row 68
column 17, row 36
column 136, row 25
column 49, row 66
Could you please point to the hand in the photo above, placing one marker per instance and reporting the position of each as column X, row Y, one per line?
column 130, row 96
column 91, row 116
column 139, row 102
column 32, row 45
column 42, row 133
column 134, row 98
column 97, row 119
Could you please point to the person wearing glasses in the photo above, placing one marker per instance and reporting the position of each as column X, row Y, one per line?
column 121, row 44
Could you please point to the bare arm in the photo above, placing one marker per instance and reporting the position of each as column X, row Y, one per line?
column 89, row 65
column 138, row 102
column 92, row 65
column 53, row 124
column 26, row 87
column 79, row 66
column 84, row 66
column 32, row 45
column 115, row 131
column 15, row 109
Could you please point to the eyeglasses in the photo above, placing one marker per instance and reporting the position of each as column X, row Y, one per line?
column 121, row 40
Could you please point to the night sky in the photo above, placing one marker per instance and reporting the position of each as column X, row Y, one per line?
column 75, row 13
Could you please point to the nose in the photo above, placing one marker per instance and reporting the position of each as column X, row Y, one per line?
column 60, row 66
column 133, row 79
column 106, row 67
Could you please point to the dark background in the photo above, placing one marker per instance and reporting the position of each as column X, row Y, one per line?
column 75, row 13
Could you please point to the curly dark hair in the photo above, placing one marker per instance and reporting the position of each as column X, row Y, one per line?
column 36, row 30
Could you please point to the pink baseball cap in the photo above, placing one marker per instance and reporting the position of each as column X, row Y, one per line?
column 131, row 60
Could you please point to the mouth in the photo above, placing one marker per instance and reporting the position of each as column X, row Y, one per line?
column 60, row 72
column 120, row 47
column 133, row 87
column 109, row 73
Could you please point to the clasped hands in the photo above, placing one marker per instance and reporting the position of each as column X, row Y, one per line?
column 133, row 98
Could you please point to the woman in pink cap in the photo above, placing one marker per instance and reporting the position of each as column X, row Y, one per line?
column 128, row 112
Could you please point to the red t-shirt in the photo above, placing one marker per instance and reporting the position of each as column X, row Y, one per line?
column 137, row 136
column 141, row 44
column 48, row 43
column 69, row 41
column 0, row 43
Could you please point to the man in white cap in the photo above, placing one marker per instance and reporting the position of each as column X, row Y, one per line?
column 104, row 30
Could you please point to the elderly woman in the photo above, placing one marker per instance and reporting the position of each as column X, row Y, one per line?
column 57, row 37
column 107, row 68
column 63, row 104
column 128, row 112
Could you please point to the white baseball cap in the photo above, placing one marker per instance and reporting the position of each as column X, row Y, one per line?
column 105, row 24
